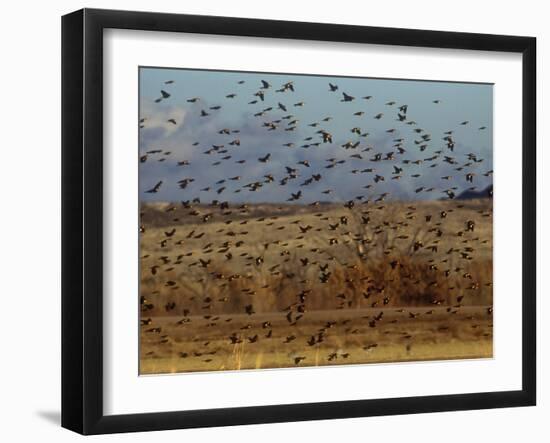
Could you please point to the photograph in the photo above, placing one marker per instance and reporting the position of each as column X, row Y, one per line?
column 295, row 220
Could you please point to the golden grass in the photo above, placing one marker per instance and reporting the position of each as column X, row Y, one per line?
column 397, row 338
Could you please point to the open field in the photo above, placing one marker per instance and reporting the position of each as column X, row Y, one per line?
column 204, row 344
column 267, row 286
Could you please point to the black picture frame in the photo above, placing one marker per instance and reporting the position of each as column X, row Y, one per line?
column 82, row 238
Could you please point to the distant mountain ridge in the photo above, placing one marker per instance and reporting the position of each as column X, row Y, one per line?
column 469, row 195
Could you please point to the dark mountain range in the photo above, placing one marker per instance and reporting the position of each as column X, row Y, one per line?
column 469, row 195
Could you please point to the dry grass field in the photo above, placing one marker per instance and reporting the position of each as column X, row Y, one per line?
column 281, row 285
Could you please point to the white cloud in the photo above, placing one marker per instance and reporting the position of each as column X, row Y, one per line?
column 157, row 115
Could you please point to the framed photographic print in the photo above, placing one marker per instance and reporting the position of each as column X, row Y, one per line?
column 273, row 221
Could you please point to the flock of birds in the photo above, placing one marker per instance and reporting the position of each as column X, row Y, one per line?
column 273, row 109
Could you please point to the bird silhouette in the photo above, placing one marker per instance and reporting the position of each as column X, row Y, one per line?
column 155, row 188
column 347, row 98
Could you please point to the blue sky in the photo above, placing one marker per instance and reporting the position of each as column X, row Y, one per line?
column 211, row 173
